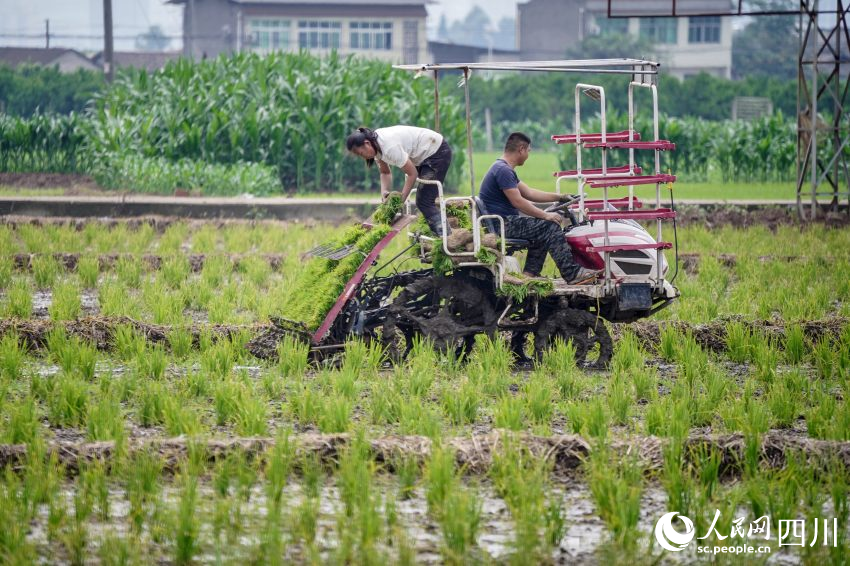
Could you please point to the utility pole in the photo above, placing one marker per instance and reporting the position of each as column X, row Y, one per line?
column 107, row 40
column 47, row 33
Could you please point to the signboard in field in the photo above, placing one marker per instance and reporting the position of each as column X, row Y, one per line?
column 660, row 8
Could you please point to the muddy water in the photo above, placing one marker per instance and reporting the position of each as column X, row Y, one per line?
column 584, row 539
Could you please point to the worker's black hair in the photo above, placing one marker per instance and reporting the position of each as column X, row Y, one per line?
column 516, row 141
column 361, row 136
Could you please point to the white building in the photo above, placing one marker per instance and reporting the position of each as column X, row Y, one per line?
column 392, row 30
column 685, row 45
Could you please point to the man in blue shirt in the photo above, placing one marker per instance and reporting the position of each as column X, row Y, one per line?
column 504, row 194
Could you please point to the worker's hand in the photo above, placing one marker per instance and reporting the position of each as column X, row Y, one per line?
column 384, row 196
column 565, row 198
column 554, row 217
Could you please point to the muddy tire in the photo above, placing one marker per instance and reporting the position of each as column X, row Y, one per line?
column 449, row 311
column 584, row 328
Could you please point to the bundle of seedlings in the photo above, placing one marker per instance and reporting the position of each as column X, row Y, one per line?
column 318, row 286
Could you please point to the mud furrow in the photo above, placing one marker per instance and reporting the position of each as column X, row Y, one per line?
column 100, row 331
column 473, row 454
column 153, row 262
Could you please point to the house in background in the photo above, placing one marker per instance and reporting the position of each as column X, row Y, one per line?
column 685, row 45
column 392, row 30
column 68, row 60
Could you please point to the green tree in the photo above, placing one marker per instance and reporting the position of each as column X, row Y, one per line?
column 767, row 46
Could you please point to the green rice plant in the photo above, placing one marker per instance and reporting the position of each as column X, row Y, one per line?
column 6, row 267
column 616, row 487
column 628, row 354
column 13, row 354
column 104, row 420
column 129, row 271
column 251, row 417
column 765, row 357
column 204, row 240
column 783, row 405
column 795, row 344
column 645, row 382
column 116, row 299
column 418, row 418
column 186, row 524
column 335, row 414
column 22, row 426
column 129, row 343
column 305, row 405
column 440, row 478
column 226, row 397
column 620, row 398
column 824, row 358
column 68, row 401
column 522, row 480
column 344, row 382
column 279, row 462
column 175, row 270
column 166, row 306
column 589, row 418
column 45, row 270
column 460, row 527
column 509, row 413
column 181, row 419
column 738, row 339
column 680, row 486
column 257, row 270
column 172, row 239
column 66, row 304
column 180, row 340
column 668, row 345
column 218, row 359
column 88, row 269
column 151, row 400
column 538, row 395
column 141, row 474
column 461, row 404
column 152, row 361
column 383, row 403
column 19, row 299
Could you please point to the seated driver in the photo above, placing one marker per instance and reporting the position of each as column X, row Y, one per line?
column 504, row 194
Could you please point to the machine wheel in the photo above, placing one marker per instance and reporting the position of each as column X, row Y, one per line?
column 584, row 328
column 449, row 311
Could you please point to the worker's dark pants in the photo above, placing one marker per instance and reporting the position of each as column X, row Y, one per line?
column 545, row 237
column 433, row 168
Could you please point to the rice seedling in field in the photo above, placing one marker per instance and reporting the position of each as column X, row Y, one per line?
column 104, row 420
column 616, row 488
column 205, row 240
column 174, row 271
column 22, row 425
column 129, row 271
column 88, row 269
column 68, row 402
column 256, row 269
column 45, row 270
column 12, row 355
column 116, row 299
column 6, row 267
column 461, row 403
column 66, row 304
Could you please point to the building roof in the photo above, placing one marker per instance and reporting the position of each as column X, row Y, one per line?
column 150, row 61
column 14, row 56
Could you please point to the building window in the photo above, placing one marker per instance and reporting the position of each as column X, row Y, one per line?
column 319, row 34
column 269, row 34
column 704, row 29
column 611, row 26
column 659, row 30
column 410, row 53
column 371, row 35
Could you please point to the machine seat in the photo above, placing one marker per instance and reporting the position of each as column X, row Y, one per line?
column 493, row 227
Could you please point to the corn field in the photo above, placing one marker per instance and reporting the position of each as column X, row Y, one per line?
column 288, row 113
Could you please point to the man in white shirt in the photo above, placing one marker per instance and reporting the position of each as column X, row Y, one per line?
column 419, row 152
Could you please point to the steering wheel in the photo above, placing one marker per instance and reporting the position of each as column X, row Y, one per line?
column 564, row 208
